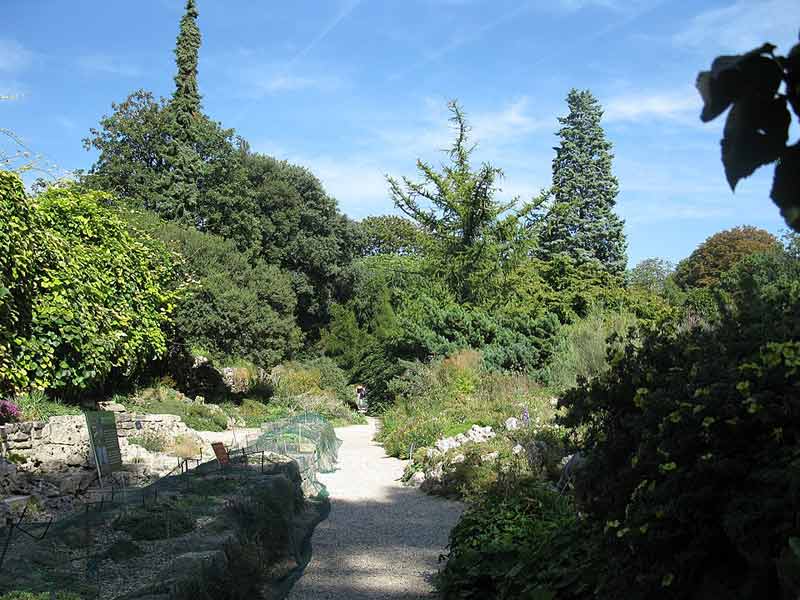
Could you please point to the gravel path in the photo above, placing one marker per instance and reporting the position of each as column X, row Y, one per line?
column 381, row 540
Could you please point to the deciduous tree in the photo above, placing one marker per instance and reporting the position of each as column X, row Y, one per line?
column 720, row 252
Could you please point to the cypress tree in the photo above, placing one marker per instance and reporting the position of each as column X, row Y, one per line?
column 186, row 100
column 580, row 220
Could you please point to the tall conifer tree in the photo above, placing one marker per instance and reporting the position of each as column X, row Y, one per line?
column 186, row 100
column 580, row 220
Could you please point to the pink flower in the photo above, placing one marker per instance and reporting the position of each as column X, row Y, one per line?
column 9, row 412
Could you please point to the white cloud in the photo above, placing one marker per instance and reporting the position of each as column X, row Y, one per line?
column 13, row 56
column 104, row 63
column 508, row 124
column 264, row 80
column 741, row 26
column 674, row 106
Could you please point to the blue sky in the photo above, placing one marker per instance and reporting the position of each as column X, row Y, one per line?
column 358, row 89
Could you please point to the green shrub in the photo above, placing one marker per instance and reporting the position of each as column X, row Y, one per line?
column 317, row 386
column 36, row 406
column 81, row 298
column 150, row 441
column 449, row 395
column 691, row 447
column 202, row 418
column 123, row 550
column 582, row 348
column 238, row 307
column 164, row 400
column 263, row 537
column 519, row 539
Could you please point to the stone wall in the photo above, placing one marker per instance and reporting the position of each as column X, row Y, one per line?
column 63, row 442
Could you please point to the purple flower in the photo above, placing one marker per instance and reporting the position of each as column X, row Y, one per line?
column 526, row 417
column 9, row 412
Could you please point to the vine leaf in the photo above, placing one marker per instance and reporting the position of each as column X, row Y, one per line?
column 735, row 77
column 786, row 186
column 755, row 134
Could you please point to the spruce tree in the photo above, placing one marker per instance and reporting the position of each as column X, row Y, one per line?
column 579, row 220
column 186, row 100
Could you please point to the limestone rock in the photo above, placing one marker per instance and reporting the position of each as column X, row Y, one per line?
column 191, row 562
column 7, row 467
column 511, row 424
column 417, row 478
column 492, row 456
column 111, row 406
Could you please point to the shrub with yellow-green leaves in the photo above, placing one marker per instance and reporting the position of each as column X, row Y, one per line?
column 691, row 442
column 81, row 298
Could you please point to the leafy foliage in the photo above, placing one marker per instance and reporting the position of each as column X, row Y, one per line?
column 757, row 127
column 302, row 232
column 720, row 252
column 237, row 306
column 317, row 386
column 650, row 274
column 432, row 399
column 147, row 159
column 83, row 299
column 474, row 237
column 691, row 446
column 576, row 216
column 389, row 234
column 520, row 539
column 37, row 406
column 161, row 399
column 583, row 347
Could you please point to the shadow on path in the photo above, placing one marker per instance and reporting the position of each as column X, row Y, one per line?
column 381, row 540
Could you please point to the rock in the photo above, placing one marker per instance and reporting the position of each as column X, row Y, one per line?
column 7, row 467
column 511, row 424
column 458, row 459
column 571, row 470
column 536, row 454
column 518, row 449
column 432, row 452
column 417, row 478
column 19, row 436
column 191, row 562
column 111, row 407
column 16, row 504
column 77, row 459
column 68, row 430
column 492, row 456
column 446, row 444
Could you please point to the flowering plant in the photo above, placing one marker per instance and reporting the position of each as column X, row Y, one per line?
column 9, row 412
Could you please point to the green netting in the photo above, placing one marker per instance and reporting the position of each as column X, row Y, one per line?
column 308, row 439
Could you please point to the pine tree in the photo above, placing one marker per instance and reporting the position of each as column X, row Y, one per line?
column 579, row 220
column 186, row 100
